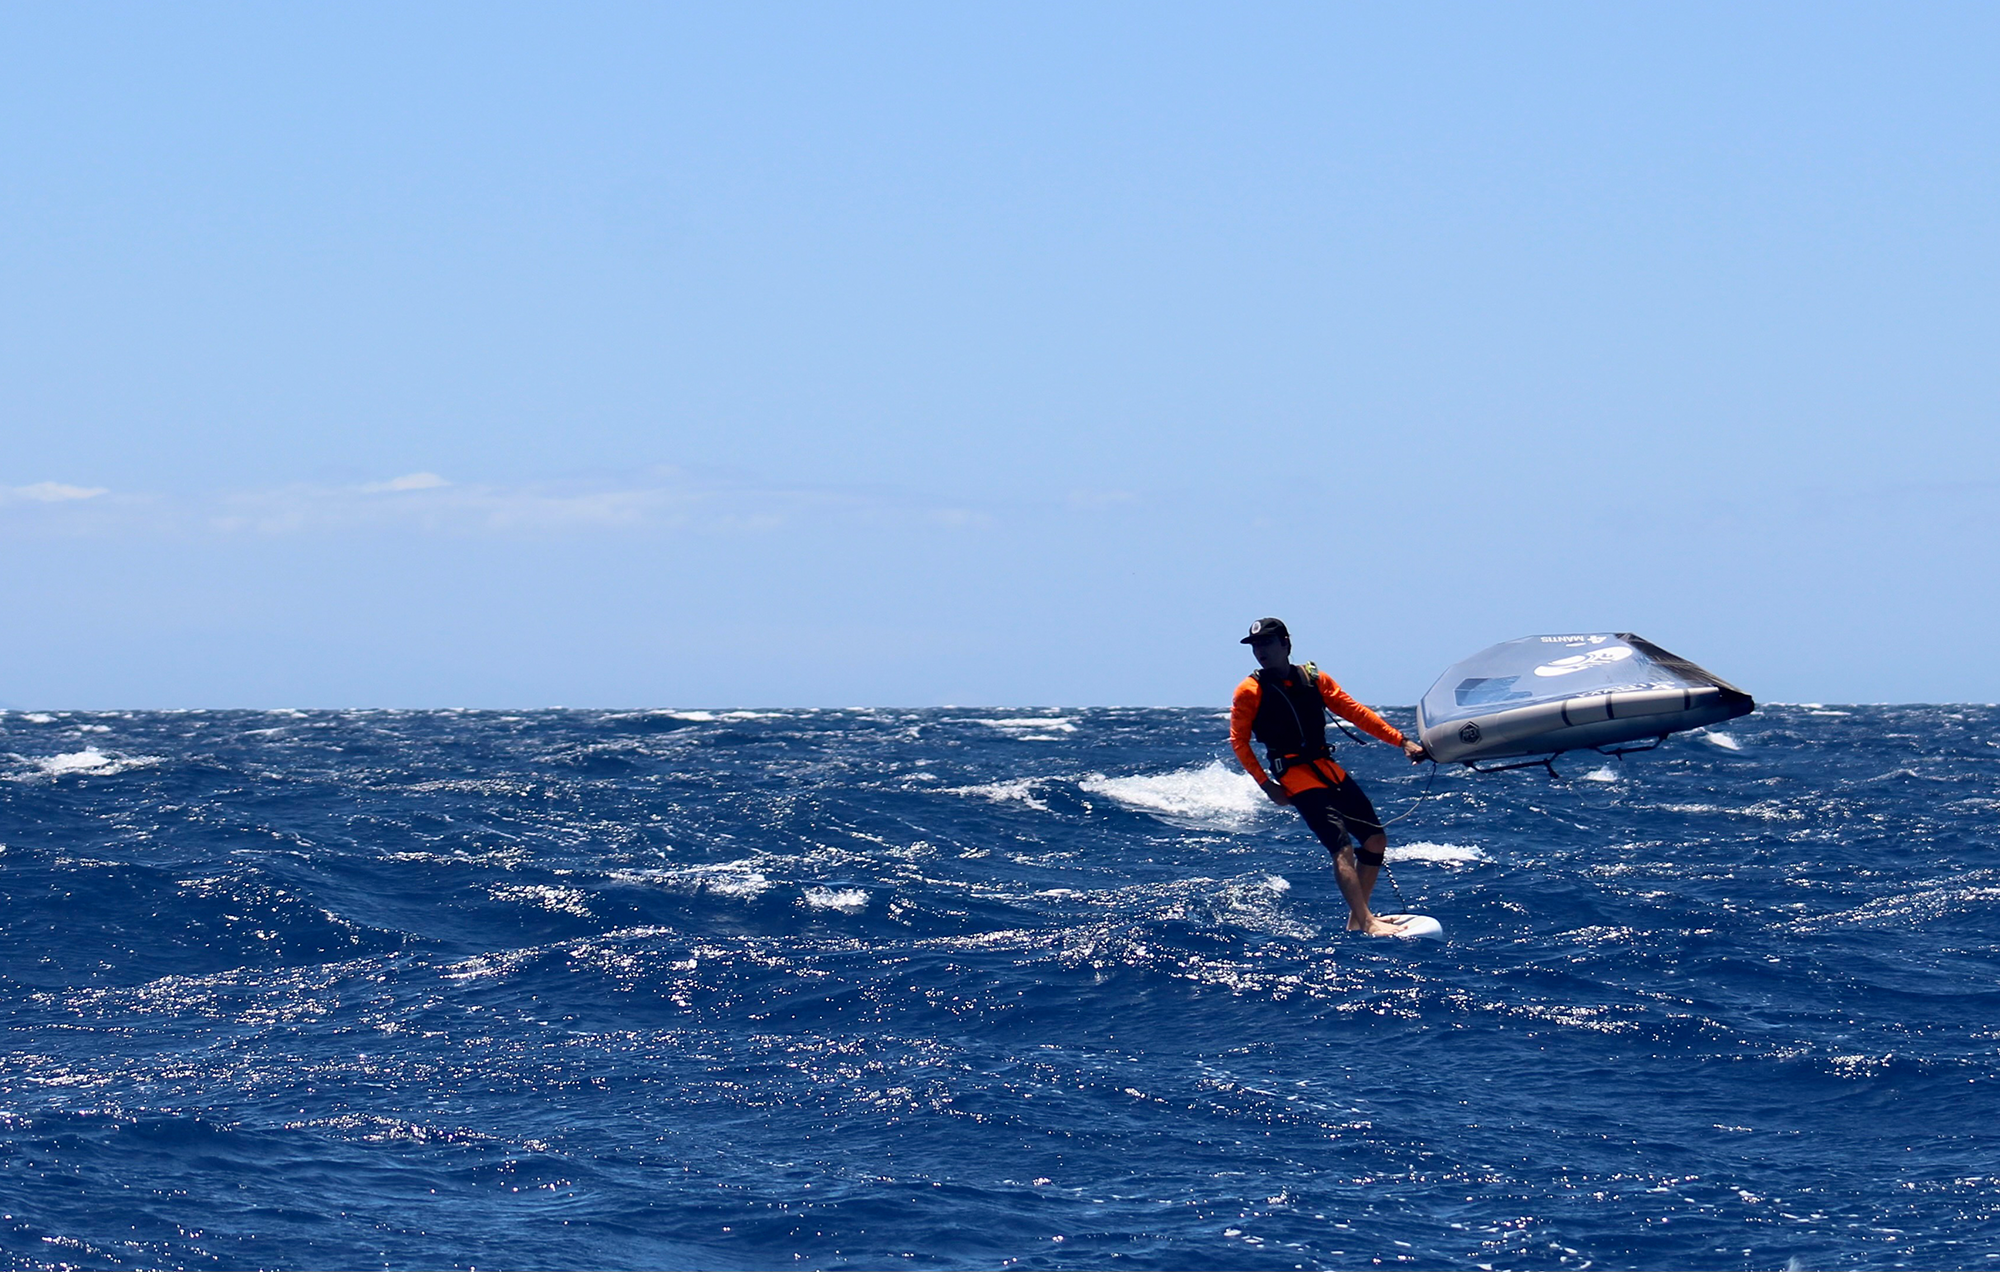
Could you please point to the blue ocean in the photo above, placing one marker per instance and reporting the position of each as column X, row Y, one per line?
column 987, row 989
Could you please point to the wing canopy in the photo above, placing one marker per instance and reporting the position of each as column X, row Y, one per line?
column 1541, row 695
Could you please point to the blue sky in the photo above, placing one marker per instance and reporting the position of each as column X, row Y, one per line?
column 502, row 355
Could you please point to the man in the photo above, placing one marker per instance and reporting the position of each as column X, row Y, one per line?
column 1285, row 707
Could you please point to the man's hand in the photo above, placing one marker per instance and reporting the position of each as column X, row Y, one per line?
column 1276, row 792
column 1415, row 750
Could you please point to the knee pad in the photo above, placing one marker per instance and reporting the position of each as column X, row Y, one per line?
column 1367, row 858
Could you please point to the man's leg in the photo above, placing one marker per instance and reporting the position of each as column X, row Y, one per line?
column 1356, row 868
column 1356, row 873
column 1330, row 813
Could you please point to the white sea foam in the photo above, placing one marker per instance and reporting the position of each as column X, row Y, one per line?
column 38, row 717
column 1207, row 798
column 1722, row 740
column 1604, row 774
column 1018, row 724
column 845, row 900
column 1020, row 790
column 93, row 761
column 1769, row 810
column 1439, row 854
column 726, row 879
column 734, row 881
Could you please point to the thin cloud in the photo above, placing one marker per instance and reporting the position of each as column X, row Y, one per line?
column 660, row 500
column 408, row 481
column 428, row 503
column 654, row 501
column 56, row 492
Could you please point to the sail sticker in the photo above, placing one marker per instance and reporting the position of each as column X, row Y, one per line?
column 1584, row 662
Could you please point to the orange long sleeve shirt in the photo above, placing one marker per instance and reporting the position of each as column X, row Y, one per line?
column 1243, row 710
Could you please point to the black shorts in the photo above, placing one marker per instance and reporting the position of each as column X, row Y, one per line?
column 1336, row 812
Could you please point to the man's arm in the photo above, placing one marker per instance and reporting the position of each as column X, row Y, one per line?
column 1343, row 705
column 1242, row 711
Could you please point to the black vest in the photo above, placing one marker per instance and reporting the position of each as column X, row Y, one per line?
column 1291, row 717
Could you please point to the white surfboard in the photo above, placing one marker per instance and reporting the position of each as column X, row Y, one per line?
column 1413, row 927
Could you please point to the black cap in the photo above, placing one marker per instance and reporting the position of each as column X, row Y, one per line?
column 1266, row 629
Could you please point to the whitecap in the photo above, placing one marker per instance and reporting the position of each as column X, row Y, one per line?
column 93, row 761
column 1438, row 854
column 1019, row 790
column 79, row 761
column 727, row 878
column 732, row 882
column 845, row 900
column 1722, row 740
column 1208, row 798
column 1052, row 724
column 1604, row 774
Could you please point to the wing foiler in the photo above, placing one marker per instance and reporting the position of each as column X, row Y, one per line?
column 1543, row 695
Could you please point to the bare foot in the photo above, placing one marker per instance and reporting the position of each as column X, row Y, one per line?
column 1378, row 926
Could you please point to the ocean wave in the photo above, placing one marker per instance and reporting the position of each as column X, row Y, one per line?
column 1020, row 790
column 89, row 761
column 843, row 900
column 739, row 879
column 554, row 988
column 560, row 900
column 1438, row 854
column 1210, row 797
column 1042, row 728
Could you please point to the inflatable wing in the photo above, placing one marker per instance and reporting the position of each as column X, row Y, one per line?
column 1542, row 695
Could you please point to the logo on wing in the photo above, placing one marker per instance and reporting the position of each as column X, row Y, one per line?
column 1469, row 733
column 1583, row 662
